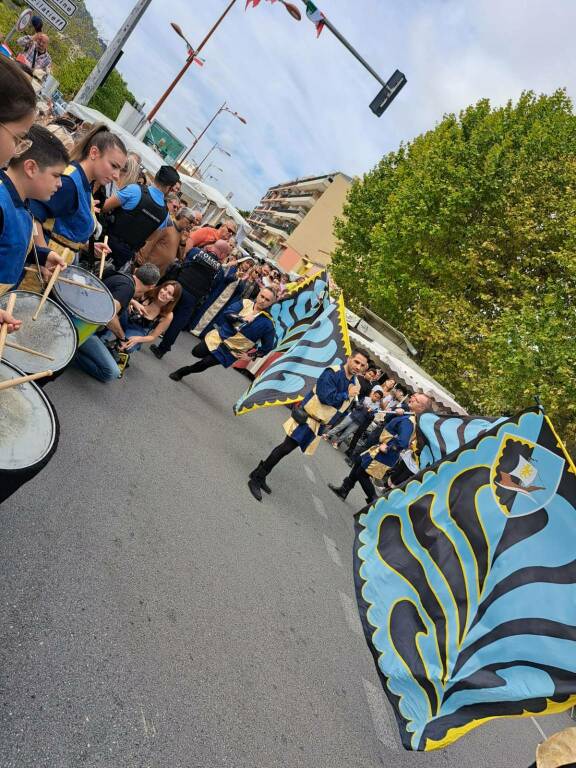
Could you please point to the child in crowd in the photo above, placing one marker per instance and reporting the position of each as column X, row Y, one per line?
column 33, row 173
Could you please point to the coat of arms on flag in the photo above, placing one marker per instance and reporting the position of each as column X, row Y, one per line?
column 466, row 583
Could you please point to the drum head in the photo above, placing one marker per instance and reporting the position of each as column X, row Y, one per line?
column 53, row 333
column 27, row 423
column 92, row 306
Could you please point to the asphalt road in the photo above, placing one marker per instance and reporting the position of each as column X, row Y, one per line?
column 152, row 615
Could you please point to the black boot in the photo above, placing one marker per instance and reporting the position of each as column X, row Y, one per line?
column 343, row 490
column 259, row 476
column 257, row 482
column 176, row 375
column 156, row 351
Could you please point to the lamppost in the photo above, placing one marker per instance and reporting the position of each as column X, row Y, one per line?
column 223, row 108
column 207, row 155
column 212, row 165
column 292, row 10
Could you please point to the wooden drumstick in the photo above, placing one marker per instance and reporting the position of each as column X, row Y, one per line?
column 4, row 329
column 9, row 383
column 103, row 258
column 21, row 348
column 80, row 285
column 47, row 290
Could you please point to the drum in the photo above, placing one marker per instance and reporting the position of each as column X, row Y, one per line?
column 87, row 309
column 29, row 432
column 53, row 334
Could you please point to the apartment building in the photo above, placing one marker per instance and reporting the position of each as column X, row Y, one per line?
column 295, row 220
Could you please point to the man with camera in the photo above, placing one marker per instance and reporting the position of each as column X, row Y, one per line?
column 336, row 387
column 97, row 357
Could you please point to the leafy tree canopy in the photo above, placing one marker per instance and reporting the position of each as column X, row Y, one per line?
column 465, row 239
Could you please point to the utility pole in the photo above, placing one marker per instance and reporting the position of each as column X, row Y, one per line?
column 111, row 54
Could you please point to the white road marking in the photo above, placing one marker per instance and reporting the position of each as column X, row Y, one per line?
column 351, row 613
column 380, row 717
column 319, row 506
column 310, row 473
column 332, row 550
column 148, row 724
column 538, row 728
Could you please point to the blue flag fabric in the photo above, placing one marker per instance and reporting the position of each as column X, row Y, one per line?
column 442, row 435
column 299, row 307
column 466, row 584
column 326, row 342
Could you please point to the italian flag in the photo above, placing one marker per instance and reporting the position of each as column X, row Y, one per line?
column 315, row 16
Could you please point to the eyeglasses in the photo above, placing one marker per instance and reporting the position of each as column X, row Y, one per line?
column 21, row 144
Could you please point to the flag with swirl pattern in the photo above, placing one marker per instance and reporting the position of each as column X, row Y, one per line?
column 295, row 312
column 326, row 342
column 466, row 584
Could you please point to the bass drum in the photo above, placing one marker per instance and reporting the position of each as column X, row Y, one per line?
column 29, row 432
column 53, row 334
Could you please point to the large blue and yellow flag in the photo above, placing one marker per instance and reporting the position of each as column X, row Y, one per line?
column 326, row 342
column 294, row 313
column 466, row 584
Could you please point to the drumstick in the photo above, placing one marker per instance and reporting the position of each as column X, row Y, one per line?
column 103, row 258
column 47, row 290
column 80, row 285
column 20, row 348
column 4, row 330
column 9, row 383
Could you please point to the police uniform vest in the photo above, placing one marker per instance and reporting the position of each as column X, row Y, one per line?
column 198, row 274
column 75, row 228
column 16, row 240
column 135, row 227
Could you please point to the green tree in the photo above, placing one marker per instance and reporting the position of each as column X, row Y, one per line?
column 465, row 239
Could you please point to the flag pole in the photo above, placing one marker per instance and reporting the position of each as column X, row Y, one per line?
column 561, row 445
column 339, row 36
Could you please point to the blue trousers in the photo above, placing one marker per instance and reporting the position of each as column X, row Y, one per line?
column 94, row 359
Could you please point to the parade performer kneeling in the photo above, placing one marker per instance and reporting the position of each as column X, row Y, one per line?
column 229, row 343
column 333, row 393
column 377, row 461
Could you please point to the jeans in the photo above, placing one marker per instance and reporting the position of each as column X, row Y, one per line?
column 182, row 313
column 343, row 430
column 94, row 359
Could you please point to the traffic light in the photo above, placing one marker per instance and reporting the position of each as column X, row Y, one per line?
column 388, row 93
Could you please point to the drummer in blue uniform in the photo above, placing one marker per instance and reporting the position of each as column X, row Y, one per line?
column 232, row 341
column 335, row 389
column 34, row 172
column 68, row 219
column 377, row 462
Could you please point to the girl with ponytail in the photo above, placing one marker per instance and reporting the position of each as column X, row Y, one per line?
column 68, row 218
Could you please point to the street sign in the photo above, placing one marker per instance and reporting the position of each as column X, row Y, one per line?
column 388, row 93
column 23, row 20
column 66, row 6
column 49, row 14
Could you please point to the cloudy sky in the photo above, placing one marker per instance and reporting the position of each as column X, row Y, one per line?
column 306, row 100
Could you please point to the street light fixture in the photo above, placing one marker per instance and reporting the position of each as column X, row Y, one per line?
column 207, row 155
column 223, row 108
column 291, row 9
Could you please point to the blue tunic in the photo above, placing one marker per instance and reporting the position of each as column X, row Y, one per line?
column 16, row 228
column 227, row 344
column 401, row 428
column 332, row 390
column 68, row 215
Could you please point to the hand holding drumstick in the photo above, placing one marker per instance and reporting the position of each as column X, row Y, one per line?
column 5, row 325
column 102, row 250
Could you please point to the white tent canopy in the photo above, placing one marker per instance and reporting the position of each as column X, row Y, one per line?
column 407, row 372
column 193, row 189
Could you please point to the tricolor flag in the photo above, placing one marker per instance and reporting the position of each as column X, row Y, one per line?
column 315, row 16
column 466, row 580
